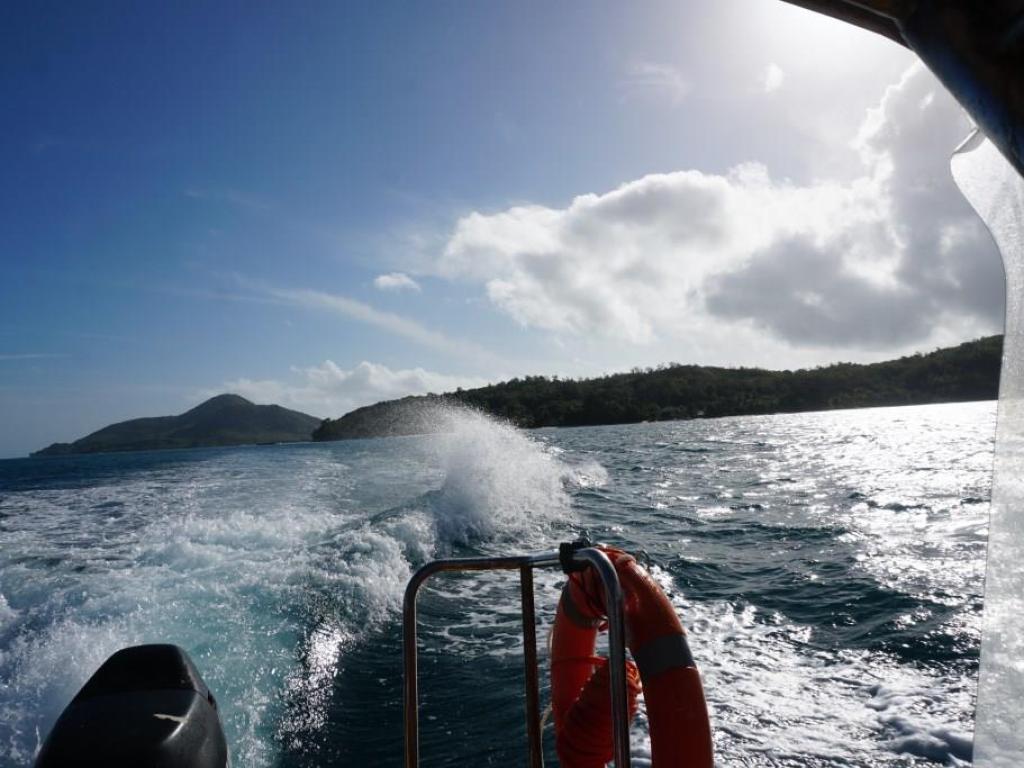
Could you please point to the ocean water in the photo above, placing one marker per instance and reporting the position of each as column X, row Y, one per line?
column 827, row 565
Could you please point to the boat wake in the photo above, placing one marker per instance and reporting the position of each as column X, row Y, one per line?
column 268, row 565
column 832, row 579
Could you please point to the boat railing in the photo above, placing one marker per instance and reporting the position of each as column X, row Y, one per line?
column 570, row 557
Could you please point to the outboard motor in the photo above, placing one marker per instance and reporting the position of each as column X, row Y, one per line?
column 147, row 705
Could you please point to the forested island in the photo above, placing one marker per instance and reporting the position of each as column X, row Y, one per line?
column 966, row 372
column 969, row 371
column 221, row 420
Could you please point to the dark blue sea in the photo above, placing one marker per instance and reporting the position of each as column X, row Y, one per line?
column 827, row 565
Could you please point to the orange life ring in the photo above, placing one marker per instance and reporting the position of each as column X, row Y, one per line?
column 580, row 700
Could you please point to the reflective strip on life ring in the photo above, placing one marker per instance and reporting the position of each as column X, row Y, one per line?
column 663, row 653
column 676, row 711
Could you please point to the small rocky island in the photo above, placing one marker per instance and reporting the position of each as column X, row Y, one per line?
column 221, row 420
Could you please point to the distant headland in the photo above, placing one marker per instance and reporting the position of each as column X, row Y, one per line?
column 966, row 372
column 221, row 420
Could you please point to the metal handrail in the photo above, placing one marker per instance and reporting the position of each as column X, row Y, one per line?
column 525, row 564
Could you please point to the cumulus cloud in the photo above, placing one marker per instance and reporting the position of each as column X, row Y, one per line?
column 888, row 259
column 632, row 263
column 650, row 79
column 328, row 390
column 772, row 78
column 396, row 282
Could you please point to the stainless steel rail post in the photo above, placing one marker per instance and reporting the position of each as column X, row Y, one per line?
column 525, row 565
column 616, row 649
column 533, row 733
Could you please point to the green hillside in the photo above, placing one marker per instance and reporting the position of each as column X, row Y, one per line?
column 969, row 371
column 222, row 420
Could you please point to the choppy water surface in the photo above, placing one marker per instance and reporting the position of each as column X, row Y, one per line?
column 828, row 565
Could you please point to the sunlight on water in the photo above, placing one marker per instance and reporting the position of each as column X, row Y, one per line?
column 829, row 566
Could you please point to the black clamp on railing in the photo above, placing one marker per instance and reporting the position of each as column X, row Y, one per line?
column 566, row 552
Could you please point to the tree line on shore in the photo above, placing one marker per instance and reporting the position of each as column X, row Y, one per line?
column 969, row 371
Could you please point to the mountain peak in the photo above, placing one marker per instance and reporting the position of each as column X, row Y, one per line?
column 226, row 419
column 228, row 397
column 219, row 402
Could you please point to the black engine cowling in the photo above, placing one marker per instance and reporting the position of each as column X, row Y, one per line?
column 146, row 705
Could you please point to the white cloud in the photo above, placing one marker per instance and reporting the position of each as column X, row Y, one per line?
column 386, row 321
column 629, row 263
column 397, row 282
column 772, row 78
column 328, row 390
column 658, row 81
column 885, row 260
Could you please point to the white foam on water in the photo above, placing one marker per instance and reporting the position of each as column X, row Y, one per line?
column 265, row 565
column 7, row 614
column 210, row 561
column 268, row 565
column 780, row 700
column 499, row 483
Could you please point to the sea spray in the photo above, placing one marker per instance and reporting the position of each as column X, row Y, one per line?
column 209, row 553
column 498, row 488
column 268, row 565
column 499, row 483
column 280, row 569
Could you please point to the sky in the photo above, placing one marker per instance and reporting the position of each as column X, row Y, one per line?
column 329, row 205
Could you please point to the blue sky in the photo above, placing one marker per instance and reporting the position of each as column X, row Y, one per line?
column 329, row 205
